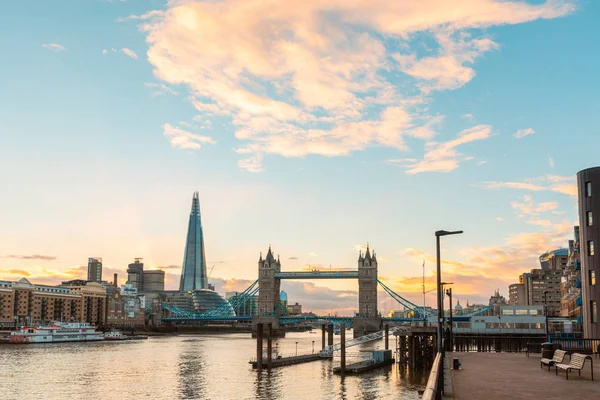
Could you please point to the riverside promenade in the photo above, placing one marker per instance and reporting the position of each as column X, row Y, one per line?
column 501, row 376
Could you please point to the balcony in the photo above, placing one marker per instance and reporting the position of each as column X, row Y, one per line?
column 578, row 302
column 578, row 265
column 578, row 283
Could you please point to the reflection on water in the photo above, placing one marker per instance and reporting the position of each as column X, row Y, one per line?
column 189, row 367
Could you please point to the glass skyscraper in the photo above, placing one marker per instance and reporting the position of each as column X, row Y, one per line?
column 193, row 273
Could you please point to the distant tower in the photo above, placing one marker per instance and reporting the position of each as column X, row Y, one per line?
column 269, row 301
column 94, row 269
column 193, row 273
column 367, row 284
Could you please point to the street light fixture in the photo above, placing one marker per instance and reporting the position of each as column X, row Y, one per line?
column 313, row 347
column 296, row 349
column 449, row 294
column 440, row 307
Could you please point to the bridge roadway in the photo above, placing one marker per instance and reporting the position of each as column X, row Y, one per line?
column 283, row 319
column 317, row 275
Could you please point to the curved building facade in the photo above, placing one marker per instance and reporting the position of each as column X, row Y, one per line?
column 204, row 300
column 588, row 186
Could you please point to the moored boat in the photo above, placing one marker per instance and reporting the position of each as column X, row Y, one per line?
column 57, row 332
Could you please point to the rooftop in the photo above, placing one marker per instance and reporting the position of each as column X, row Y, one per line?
column 500, row 376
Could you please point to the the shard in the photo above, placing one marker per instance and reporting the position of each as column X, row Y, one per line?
column 193, row 273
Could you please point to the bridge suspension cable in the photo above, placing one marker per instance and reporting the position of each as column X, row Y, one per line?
column 406, row 303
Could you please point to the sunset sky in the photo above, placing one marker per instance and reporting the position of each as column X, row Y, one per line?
column 313, row 126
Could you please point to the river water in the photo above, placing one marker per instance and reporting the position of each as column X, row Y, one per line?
column 190, row 367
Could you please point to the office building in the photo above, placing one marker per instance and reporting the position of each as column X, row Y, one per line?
column 555, row 259
column 570, row 285
column 294, row 309
column 93, row 300
column 125, row 307
column 245, row 306
column 517, row 294
column 94, row 269
column 154, row 281
column 193, row 274
column 588, row 187
column 135, row 274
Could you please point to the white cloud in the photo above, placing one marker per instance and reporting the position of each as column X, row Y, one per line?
column 551, row 162
column 183, row 139
column 521, row 133
column 104, row 51
column 129, row 53
column 159, row 89
column 54, row 47
column 443, row 157
column 469, row 117
column 299, row 78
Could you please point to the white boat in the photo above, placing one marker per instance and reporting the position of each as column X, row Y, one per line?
column 57, row 332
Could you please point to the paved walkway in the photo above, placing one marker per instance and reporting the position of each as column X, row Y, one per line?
column 491, row 376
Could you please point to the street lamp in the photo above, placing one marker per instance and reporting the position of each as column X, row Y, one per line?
column 296, row 349
column 450, row 337
column 313, row 349
column 546, row 312
column 440, row 307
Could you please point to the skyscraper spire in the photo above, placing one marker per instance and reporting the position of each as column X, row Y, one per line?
column 193, row 273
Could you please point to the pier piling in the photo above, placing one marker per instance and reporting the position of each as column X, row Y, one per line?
column 259, row 346
column 269, row 345
column 330, row 335
column 343, row 348
column 323, row 336
column 387, row 337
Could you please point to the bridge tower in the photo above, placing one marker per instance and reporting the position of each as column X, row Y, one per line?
column 367, row 320
column 269, row 304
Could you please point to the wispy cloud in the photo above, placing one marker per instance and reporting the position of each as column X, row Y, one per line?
column 554, row 183
column 521, row 133
column 468, row 117
column 529, row 208
column 183, row 139
column 129, row 53
column 443, row 157
column 302, row 78
column 54, row 47
column 159, row 89
column 31, row 257
column 104, row 52
column 551, row 162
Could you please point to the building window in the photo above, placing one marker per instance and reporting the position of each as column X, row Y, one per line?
column 592, row 277
column 590, row 220
column 594, row 311
column 588, row 189
column 590, row 247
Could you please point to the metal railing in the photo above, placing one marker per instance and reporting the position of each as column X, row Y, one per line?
column 498, row 344
column 435, row 383
column 584, row 346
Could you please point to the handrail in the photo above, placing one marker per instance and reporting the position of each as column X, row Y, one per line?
column 433, row 383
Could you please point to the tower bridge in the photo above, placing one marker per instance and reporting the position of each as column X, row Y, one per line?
column 367, row 320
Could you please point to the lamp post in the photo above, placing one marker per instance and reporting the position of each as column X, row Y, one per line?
column 451, row 337
column 296, row 349
column 546, row 312
column 440, row 307
column 313, row 347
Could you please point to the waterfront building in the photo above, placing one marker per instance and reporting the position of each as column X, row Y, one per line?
column 135, row 274
column 294, row 309
column 570, row 285
column 588, row 187
column 125, row 307
column 93, row 300
column 249, row 307
column 546, row 281
column 94, row 269
column 193, row 274
column 555, row 259
column 204, row 300
column 23, row 303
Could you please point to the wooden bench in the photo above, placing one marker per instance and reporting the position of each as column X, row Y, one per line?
column 577, row 362
column 559, row 356
column 533, row 348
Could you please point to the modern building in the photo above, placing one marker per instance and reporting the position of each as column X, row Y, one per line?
column 247, row 307
column 154, row 281
column 294, row 309
column 204, row 300
column 545, row 290
column 193, row 274
column 588, row 187
column 135, row 274
column 517, row 294
column 94, row 269
column 570, row 285
column 23, row 303
column 555, row 259
column 283, row 298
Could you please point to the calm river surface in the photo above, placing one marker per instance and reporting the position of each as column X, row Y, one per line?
column 189, row 367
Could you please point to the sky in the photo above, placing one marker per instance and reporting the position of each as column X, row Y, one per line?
column 315, row 127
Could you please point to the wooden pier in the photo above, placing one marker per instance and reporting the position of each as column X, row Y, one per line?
column 283, row 362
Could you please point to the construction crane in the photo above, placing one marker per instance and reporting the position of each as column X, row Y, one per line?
column 211, row 270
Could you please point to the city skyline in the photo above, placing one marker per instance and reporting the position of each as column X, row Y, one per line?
column 315, row 139
column 193, row 270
